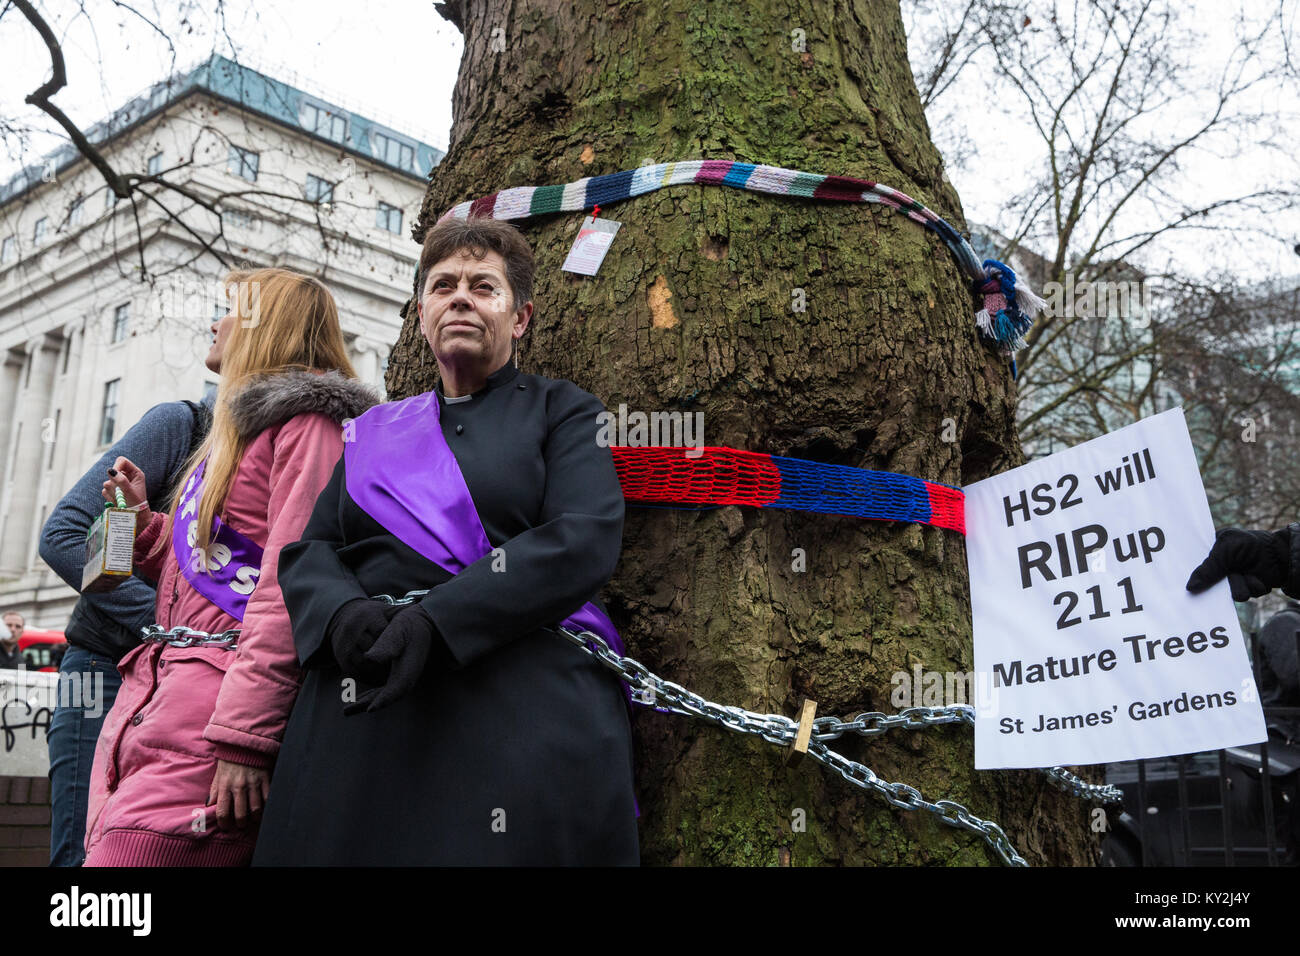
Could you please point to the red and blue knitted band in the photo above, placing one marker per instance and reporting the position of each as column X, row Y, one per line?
column 728, row 476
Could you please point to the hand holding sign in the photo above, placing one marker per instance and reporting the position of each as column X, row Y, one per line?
column 1254, row 562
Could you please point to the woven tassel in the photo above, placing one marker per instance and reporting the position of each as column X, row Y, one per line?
column 1008, row 310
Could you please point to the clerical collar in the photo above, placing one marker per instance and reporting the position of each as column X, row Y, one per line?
column 501, row 376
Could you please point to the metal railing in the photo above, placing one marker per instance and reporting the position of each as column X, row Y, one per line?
column 1252, row 828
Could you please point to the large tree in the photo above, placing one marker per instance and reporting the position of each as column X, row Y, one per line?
column 694, row 310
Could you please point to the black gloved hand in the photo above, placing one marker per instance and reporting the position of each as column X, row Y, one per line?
column 404, row 649
column 1254, row 562
column 353, row 630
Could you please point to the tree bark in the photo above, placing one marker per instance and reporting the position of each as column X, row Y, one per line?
column 693, row 311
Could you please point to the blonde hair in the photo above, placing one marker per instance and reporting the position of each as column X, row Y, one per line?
column 286, row 321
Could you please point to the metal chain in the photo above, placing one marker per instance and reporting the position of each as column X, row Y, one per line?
column 914, row 718
column 650, row 689
column 909, row 798
column 408, row 598
column 1076, row 786
column 779, row 729
column 182, row 636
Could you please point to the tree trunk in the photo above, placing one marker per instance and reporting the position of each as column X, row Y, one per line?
column 693, row 310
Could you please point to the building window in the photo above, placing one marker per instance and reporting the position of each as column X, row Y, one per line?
column 240, row 220
column 319, row 190
column 155, row 164
column 77, row 211
column 389, row 217
column 110, row 198
column 393, row 151
column 209, row 392
column 322, row 122
column 39, row 230
column 8, row 249
column 109, row 421
column 120, row 315
column 243, row 163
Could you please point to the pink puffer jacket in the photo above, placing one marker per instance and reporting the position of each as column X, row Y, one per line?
column 182, row 708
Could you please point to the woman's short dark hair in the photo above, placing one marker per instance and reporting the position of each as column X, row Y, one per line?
column 478, row 237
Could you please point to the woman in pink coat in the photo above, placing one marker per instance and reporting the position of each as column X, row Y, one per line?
column 184, row 761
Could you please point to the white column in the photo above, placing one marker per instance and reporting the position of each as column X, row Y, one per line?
column 22, row 464
column 369, row 362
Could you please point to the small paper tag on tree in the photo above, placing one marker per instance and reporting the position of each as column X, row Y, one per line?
column 589, row 248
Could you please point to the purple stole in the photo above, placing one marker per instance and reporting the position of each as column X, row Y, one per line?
column 234, row 561
column 400, row 471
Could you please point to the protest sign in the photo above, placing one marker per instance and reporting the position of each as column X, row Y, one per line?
column 1094, row 649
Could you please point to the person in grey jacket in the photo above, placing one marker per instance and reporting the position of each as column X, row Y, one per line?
column 104, row 626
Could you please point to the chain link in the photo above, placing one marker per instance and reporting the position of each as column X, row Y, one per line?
column 872, row 723
column 410, row 597
column 913, row 718
column 1076, row 786
column 665, row 696
column 182, row 636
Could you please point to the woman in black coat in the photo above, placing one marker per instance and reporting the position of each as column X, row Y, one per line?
column 458, row 728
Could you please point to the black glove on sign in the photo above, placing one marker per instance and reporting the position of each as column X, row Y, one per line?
column 1254, row 562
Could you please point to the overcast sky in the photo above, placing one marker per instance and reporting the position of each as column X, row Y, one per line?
column 396, row 61
column 381, row 58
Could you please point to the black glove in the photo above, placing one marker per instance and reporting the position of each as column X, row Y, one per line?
column 1254, row 562
column 353, row 630
column 404, row 649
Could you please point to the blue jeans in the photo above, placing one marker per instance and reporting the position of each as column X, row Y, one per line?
column 88, row 685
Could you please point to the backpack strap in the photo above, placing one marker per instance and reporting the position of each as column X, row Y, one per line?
column 201, row 424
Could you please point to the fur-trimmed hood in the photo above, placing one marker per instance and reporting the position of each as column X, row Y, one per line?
column 273, row 399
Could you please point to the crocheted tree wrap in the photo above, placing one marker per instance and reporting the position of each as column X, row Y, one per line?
column 1006, row 311
column 522, row 202
column 728, row 476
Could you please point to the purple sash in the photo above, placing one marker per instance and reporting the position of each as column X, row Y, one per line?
column 234, row 561
column 400, row 471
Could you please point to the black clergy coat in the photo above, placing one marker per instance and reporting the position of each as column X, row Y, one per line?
column 515, row 748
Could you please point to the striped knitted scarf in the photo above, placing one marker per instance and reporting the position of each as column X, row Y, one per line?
column 1007, row 310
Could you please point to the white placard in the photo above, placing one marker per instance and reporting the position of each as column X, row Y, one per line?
column 1094, row 649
